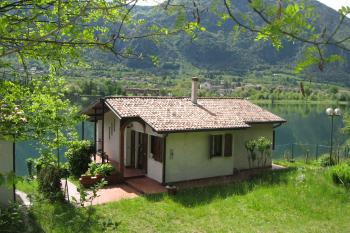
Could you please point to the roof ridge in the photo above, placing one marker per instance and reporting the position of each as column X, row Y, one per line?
column 167, row 97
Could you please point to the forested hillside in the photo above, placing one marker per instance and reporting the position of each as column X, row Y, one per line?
column 218, row 50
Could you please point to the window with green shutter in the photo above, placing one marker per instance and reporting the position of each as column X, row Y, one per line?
column 220, row 145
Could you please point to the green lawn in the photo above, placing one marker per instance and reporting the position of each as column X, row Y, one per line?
column 298, row 200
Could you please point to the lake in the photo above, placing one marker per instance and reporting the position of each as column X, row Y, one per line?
column 307, row 131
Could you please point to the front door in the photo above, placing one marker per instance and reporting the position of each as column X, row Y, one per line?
column 142, row 152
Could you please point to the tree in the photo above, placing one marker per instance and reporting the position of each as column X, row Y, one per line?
column 278, row 21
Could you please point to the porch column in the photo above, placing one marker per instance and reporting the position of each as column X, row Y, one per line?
column 82, row 130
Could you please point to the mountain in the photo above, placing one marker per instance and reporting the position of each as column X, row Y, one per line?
column 221, row 50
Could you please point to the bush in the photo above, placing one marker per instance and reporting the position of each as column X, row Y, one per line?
column 325, row 160
column 30, row 167
column 49, row 182
column 341, row 174
column 12, row 219
column 104, row 169
column 79, row 157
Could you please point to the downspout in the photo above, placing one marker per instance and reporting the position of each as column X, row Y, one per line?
column 103, row 130
column 164, row 159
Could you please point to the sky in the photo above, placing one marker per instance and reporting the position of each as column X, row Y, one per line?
column 335, row 4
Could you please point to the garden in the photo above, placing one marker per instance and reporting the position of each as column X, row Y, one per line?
column 305, row 197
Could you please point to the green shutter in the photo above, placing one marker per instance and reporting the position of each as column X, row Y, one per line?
column 228, row 145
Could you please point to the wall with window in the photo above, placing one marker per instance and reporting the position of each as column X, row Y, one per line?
column 196, row 155
column 6, row 165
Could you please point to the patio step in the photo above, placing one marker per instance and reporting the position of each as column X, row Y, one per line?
column 145, row 185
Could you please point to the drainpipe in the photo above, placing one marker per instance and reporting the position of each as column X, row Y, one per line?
column 164, row 159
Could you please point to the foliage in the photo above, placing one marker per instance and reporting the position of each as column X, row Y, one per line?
column 49, row 182
column 103, row 169
column 45, row 158
column 30, row 167
column 309, row 201
column 86, row 196
column 12, row 219
column 325, row 160
column 341, row 174
column 250, row 147
column 79, row 156
column 263, row 145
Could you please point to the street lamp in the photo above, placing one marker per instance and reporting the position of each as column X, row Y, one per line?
column 332, row 113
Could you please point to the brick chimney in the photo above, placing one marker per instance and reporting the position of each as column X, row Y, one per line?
column 194, row 95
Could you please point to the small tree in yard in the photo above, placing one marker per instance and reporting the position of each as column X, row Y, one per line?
column 250, row 147
column 79, row 157
column 263, row 145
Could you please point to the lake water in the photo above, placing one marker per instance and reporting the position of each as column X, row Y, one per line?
column 307, row 128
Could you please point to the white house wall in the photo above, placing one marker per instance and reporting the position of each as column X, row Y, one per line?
column 111, row 135
column 187, row 154
column 6, row 165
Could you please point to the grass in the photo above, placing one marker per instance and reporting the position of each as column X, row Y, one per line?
column 300, row 199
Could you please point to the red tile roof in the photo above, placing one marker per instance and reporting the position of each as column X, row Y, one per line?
column 166, row 114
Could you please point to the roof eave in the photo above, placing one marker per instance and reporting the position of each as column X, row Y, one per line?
column 200, row 130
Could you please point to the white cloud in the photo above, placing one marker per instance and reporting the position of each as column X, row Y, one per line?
column 149, row 2
column 335, row 4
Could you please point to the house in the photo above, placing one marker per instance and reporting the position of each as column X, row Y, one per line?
column 171, row 139
column 206, row 85
column 6, row 166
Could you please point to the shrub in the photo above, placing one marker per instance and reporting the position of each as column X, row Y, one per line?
column 44, row 159
column 341, row 174
column 326, row 161
column 49, row 182
column 12, row 219
column 30, row 167
column 79, row 157
column 104, row 169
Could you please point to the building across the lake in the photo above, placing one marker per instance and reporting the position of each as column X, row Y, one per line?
column 142, row 91
column 171, row 139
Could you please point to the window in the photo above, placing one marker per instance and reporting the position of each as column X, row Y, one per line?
column 157, row 147
column 220, row 145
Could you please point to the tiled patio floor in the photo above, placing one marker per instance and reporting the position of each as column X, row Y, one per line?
column 145, row 185
column 128, row 172
column 106, row 194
